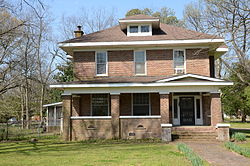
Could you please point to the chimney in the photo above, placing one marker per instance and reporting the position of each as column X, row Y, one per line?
column 79, row 31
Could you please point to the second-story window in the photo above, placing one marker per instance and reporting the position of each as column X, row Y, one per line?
column 179, row 61
column 101, row 63
column 140, row 62
column 134, row 29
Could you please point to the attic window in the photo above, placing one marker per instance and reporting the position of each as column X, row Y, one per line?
column 145, row 28
column 133, row 29
column 139, row 30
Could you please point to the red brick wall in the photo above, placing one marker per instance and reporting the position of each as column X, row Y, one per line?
column 84, row 65
column 159, row 62
column 197, row 61
column 121, row 63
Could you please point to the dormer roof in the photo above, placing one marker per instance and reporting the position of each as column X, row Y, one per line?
column 139, row 19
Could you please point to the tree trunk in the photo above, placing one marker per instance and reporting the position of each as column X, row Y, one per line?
column 27, row 107
column 243, row 117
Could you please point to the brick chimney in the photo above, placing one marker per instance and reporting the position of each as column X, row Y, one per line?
column 79, row 32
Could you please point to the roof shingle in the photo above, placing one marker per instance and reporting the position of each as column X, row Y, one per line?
column 165, row 32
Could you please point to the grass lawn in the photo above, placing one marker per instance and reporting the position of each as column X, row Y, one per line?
column 54, row 152
column 246, row 144
column 236, row 123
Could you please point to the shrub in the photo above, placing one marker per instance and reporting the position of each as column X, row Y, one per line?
column 194, row 158
column 239, row 136
column 238, row 149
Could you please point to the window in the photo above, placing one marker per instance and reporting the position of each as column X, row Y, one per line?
column 179, row 61
column 145, row 28
column 101, row 63
column 140, row 62
column 198, row 109
column 139, row 30
column 100, row 106
column 175, row 108
column 134, row 29
column 140, row 104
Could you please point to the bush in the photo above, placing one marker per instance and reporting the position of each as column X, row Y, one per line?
column 194, row 158
column 239, row 137
column 238, row 149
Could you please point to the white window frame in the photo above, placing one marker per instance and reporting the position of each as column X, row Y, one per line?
column 140, row 33
column 91, row 105
column 106, row 53
column 184, row 68
column 132, row 105
column 176, row 121
column 145, row 59
column 200, row 120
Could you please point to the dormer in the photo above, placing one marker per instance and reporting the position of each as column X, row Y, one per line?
column 139, row 25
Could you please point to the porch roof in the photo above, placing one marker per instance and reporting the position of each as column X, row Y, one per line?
column 124, row 81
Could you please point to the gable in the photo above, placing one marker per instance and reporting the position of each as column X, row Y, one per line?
column 190, row 78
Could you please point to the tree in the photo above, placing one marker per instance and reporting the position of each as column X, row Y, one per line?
column 91, row 20
column 165, row 14
column 236, row 98
column 227, row 18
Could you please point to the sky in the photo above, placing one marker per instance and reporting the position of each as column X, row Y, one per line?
column 72, row 7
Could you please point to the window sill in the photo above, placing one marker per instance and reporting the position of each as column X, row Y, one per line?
column 101, row 75
column 140, row 117
column 90, row 117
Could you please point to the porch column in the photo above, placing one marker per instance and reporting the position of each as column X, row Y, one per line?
column 164, row 108
column 75, row 105
column 115, row 114
column 216, row 114
column 66, row 116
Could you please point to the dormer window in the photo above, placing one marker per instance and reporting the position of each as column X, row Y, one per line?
column 139, row 30
column 133, row 29
column 145, row 28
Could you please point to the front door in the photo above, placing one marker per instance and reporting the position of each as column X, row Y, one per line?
column 187, row 111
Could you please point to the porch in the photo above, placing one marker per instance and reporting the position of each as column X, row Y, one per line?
column 137, row 115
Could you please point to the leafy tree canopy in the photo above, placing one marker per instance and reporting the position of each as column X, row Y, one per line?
column 165, row 14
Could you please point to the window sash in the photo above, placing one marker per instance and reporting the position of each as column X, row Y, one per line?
column 140, row 62
column 101, row 63
column 141, row 104
column 145, row 28
column 100, row 105
column 179, row 59
column 134, row 29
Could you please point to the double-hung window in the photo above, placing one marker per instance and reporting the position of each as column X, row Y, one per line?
column 140, row 62
column 179, row 61
column 100, row 105
column 101, row 63
column 141, row 104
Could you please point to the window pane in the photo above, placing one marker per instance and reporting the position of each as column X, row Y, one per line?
column 133, row 29
column 101, row 68
column 100, row 105
column 198, row 113
column 145, row 28
column 101, row 57
column 139, row 56
column 141, row 104
column 179, row 59
column 140, row 68
column 175, row 108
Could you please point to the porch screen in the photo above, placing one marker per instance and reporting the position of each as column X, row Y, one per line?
column 141, row 104
column 100, row 105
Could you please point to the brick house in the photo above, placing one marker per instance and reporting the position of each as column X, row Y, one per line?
column 143, row 79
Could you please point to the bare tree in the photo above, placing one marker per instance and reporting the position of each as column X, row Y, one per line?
column 92, row 20
column 228, row 18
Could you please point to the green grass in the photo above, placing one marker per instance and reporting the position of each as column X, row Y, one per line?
column 238, row 149
column 236, row 123
column 54, row 152
column 193, row 157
